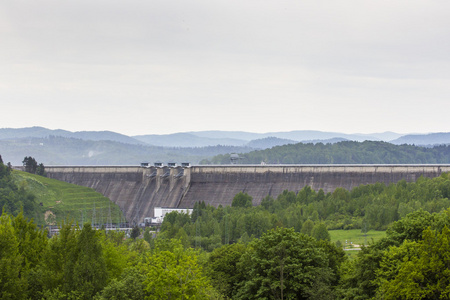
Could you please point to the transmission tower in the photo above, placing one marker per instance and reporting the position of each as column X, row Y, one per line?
column 227, row 234
column 109, row 220
column 94, row 221
column 100, row 225
column 197, row 228
column 85, row 212
column 119, row 218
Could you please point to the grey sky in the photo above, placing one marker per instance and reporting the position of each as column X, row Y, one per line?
column 141, row 67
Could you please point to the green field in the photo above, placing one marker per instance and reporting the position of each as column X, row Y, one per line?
column 350, row 238
column 354, row 238
column 60, row 201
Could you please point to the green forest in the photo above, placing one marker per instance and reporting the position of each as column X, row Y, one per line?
column 411, row 262
column 347, row 152
column 373, row 206
column 280, row 249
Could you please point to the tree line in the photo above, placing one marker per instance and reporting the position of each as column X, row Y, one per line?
column 31, row 166
column 347, row 152
column 83, row 263
column 411, row 262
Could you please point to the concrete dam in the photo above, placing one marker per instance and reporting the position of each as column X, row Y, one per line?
column 137, row 190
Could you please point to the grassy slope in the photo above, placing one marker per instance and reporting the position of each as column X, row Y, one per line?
column 67, row 201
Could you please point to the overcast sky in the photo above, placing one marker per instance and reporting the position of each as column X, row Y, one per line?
column 154, row 67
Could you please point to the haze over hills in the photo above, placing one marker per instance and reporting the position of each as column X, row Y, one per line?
column 298, row 135
column 329, row 141
column 269, row 142
column 185, row 139
column 228, row 138
column 424, row 139
column 110, row 148
column 41, row 132
column 55, row 150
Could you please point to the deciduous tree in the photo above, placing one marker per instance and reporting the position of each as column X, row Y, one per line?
column 89, row 272
column 307, row 227
column 30, row 164
column 242, row 200
column 418, row 270
column 223, row 268
column 284, row 264
column 174, row 274
column 11, row 283
column 320, row 232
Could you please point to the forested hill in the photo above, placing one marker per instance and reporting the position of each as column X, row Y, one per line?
column 347, row 152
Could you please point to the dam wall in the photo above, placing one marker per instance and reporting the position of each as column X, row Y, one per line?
column 135, row 190
column 138, row 190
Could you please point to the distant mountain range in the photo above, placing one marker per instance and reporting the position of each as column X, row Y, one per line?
column 106, row 147
column 424, row 139
column 269, row 142
column 228, row 138
column 241, row 138
column 41, row 132
column 298, row 135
